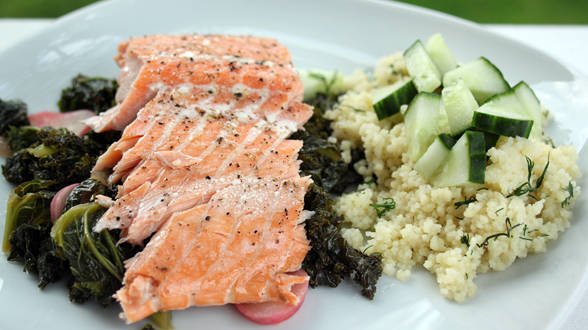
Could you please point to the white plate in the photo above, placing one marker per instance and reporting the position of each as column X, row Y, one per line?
column 535, row 293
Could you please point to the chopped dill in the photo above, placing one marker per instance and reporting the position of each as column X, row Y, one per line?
column 527, row 187
column 509, row 228
column 500, row 209
column 465, row 202
column 371, row 181
column 328, row 84
column 459, row 218
column 467, row 276
column 482, row 188
column 367, row 248
column 465, row 239
column 526, row 238
column 382, row 208
column 566, row 201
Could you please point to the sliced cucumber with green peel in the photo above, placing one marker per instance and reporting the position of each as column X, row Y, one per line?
column 440, row 54
column 432, row 160
column 421, row 68
column 320, row 81
column 500, row 120
column 480, row 76
column 459, row 104
column 491, row 139
column 531, row 103
column 421, row 119
column 387, row 100
column 466, row 162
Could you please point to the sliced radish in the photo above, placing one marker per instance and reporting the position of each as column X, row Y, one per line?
column 70, row 120
column 58, row 201
column 275, row 312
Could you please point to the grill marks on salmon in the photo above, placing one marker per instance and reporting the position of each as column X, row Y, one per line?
column 206, row 170
column 146, row 66
column 222, row 244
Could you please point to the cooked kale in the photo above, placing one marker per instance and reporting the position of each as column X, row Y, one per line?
column 322, row 159
column 331, row 259
column 95, row 261
column 56, row 154
column 12, row 113
column 32, row 246
column 101, row 141
column 86, row 191
column 160, row 320
column 22, row 137
column 26, row 231
column 93, row 93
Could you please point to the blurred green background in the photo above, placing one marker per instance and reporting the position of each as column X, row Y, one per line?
column 481, row 11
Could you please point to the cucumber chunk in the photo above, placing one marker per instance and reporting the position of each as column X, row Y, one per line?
column 320, row 81
column 459, row 104
column 465, row 163
column 443, row 123
column 421, row 68
column 388, row 99
column 440, row 53
column 480, row 76
column 432, row 160
column 421, row 119
column 494, row 118
column 531, row 103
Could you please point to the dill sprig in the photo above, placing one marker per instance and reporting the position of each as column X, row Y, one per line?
column 566, row 201
column 500, row 209
column 509, row 229
column 465, row 239
column 382, row 208
column 465, row 202
column 328, row 84
column 528, row 187
column 367, row 248
column 371, row 181
column 353, row 108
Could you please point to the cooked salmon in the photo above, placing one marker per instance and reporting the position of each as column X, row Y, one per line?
column 148, row 63
column 206, row 172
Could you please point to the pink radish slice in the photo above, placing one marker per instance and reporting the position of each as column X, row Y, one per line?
column 70, row 120
column 58, row 201
column 275, row 312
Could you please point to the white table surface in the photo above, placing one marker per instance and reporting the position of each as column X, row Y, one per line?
column 566, row 43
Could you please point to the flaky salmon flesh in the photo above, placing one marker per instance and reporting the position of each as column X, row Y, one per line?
column 207, row 175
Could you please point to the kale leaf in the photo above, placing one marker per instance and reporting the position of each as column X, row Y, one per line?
column 86, row 191
column 95, row 261
column 12, row 113
column 22, row 137
column 26, row 231
column 55, row 154
column 93, row 93
column 330, row 258
column 322, row 159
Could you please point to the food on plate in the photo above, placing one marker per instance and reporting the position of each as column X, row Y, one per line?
column 208, row 181
column 51, row 154
column 462, row 179
column 94, row 93
column 200, row 200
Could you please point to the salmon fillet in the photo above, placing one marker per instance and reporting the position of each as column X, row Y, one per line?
column 146, row 63
column 205, row 170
